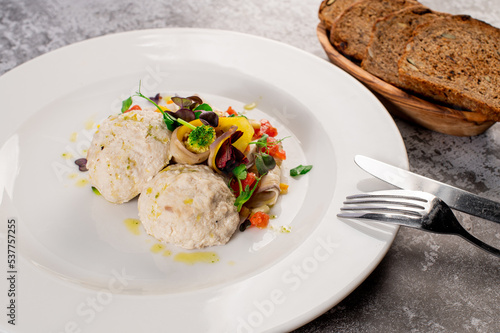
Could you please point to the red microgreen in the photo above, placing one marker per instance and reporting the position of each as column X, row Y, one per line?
column 156, row 98
column 228, row 157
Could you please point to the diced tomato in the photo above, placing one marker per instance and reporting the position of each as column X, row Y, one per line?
column 277, row 152
column 259, row 220
column 274, row 149
column 135, row 107
column 230, row 111
column 266, row 128
column 250, row 181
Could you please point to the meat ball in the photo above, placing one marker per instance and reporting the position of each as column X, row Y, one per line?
column 189, row 206
column 127, row 151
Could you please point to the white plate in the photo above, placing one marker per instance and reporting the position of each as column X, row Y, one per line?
column 79, row 265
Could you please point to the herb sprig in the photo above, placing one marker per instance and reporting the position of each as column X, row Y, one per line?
column 240, row 173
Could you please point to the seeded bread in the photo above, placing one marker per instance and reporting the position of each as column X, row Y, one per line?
column 329, row 10
column 389, row 38
column 351, row 31
column 455, row 60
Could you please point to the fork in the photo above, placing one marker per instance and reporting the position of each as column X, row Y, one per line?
column 414, row 209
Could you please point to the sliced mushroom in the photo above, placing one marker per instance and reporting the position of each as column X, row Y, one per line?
column 268, row 191
column 250, row 155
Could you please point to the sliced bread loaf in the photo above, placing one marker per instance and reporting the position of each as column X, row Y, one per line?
column 455, row 60
column 329, row 10
column 351, row 31
column 389, row 38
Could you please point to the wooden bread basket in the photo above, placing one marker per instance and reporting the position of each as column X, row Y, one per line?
column 405, row 106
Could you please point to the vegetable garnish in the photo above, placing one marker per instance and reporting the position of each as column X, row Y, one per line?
column 170, row 121
column 242, row 124
column 96, row 191
column 203, row 107
column 126, row 104
column 134, row 108
column 157, row 98
column 264, row 163
column 230, row 111
column 266, row 128
column 191, row 108
column 300, row 170
column 245, row 180
column 240, row 172
column 246, row 194
column 261, row 142
column 228, row 157
column 259, row 220
column 242, row 178
column 270, row 148
column 200, row 138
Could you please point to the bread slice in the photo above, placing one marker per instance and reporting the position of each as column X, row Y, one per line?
column 455, row 60
column 389, row 38
column 351, row 31
column 329, row 10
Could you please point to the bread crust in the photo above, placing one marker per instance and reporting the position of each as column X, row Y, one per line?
column 388, row 41
column 455, row 60
column 329, row 10
column 350, row 32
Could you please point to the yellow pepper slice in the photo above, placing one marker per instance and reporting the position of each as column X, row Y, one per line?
column 225, row 124
column 184, row 129
column 243, row 125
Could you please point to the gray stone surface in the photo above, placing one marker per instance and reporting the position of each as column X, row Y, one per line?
column 427, row 282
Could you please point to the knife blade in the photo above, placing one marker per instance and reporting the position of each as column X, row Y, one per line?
column 454, row 197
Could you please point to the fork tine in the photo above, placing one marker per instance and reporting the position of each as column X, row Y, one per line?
column 379, row 209
column 387, row 206
column 408, row 221
column 413, row 209
column 385, row 202
column 385, row 194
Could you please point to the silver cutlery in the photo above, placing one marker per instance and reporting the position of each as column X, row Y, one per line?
column 456, row 198
column 414, row 209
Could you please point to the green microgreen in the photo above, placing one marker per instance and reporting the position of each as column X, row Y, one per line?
column 203, row 107
column 263, row 143
column 300, row 170
column 168, row 119
column 200, row 137
column 264, row 163
column 240, row 172
column 246, row 194
column 126, row 104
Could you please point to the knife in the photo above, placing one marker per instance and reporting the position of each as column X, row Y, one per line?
column 456, row 198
